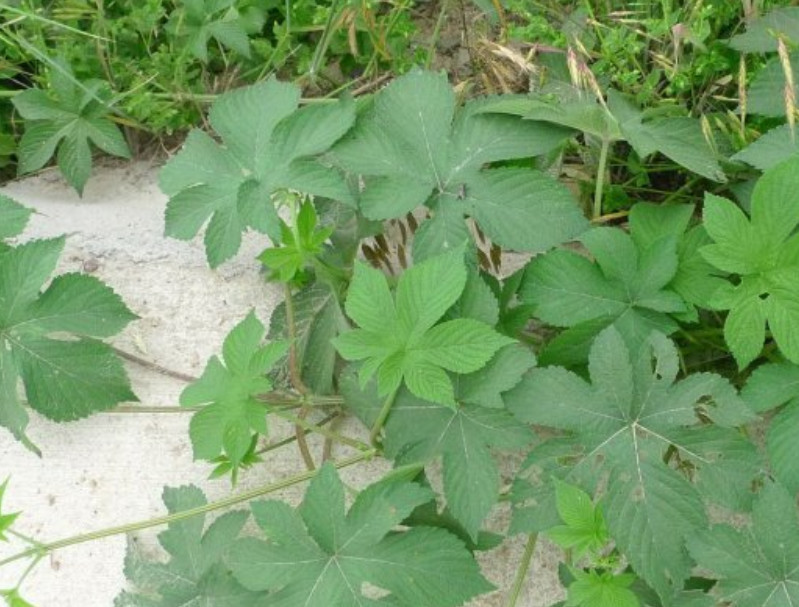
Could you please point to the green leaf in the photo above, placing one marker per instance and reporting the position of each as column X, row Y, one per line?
column 398, row 338
column 13, row 217
column 623, row 424
column 777, row 385
column 319, row 556
column 770, row 149
column 196, row 573
column 757, row 566
column 485, row 386
column 762, row 34
column 595, row 589
column 584, row 529
column 765, row 254
column 196, row 22
column 766, row 94
column 679, row 138
column 69, row 120
column 14, row 599
column 627, row 285
column 231, row 414
column 301, row 244
column 421, row 431
column 7, row 519
column 49, row 339
column 414, row 147
column 318, row 319
column 232, row 184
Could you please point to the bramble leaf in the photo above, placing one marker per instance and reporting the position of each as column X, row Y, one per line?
column 49, row 339
column 267, row 145
column 319, row 556
column 196, row 573
column 762, row 251
column 416, row 148
column 232, row 415
column 626, row 286
column 623, row 424
column 397, row 336
column 67, row 120
column 757, row 566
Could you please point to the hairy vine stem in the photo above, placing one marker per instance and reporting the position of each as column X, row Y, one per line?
column 39, row 550
column 296, row 380
column 521, row 572
column 600, row 178
column 381, row 419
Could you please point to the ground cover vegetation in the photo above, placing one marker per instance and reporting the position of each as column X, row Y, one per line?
column 643, row 361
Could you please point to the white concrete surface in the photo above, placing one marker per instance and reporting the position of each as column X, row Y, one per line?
column 110, row 469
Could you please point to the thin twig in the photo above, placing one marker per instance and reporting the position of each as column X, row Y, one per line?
column 153, row 366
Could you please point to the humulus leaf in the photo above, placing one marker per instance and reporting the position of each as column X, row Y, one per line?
column 195, row 573
column 67, row 120
column 13, row 217
column 628, row 285
column 765, row 254
column 49, row 339
column 421, row 431
column 757, row 566
column 623, row 424
column 415, row 148
column 776, row 386
column 319, row 556
column 397, row 336
column 267, row 145
column 232, row 414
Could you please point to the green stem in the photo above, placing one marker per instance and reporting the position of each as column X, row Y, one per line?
column 381, row 418
column 521, row 572
column 600, row 177
column 311, row 427
column 431, row 50
column 296, row 373
column 44, row 549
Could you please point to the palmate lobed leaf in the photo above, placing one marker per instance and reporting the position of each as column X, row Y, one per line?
column 199, row 21
column 267, row 145
column 195, row 573
column 775, row 386
column 50, row 339
column 231, row 415
column 319, row 556
column 757, row 566
column 397, row 337
column 67, row 122
column 764, row 254
column 627, row 285
column 623, row 424
column 414, row 148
